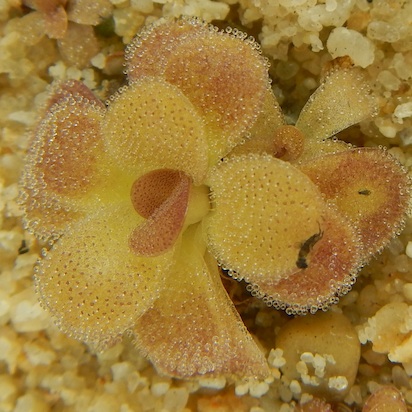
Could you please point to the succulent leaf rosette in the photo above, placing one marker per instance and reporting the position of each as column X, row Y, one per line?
column 188, row 170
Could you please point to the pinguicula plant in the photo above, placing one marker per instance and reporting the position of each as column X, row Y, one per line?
column 188, row 170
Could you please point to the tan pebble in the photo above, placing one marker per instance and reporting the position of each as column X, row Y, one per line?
column 374, row 358
column 368, row 301
column 385, row 399
column 31, row 402
column 386, row 330
column 399, row 377
column 408, row 250
column 325, row 335
column 346, row 42
column 367, row 370
column 407, row 290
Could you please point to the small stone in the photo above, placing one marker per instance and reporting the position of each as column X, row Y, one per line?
column 346, row 42
column 26, row 312
column 38, row 354
column 390, row 331
column 258, row 389
column 339, row 383
column 160, row 388
column 408, row 250
column 295, row 387
column 9, row 389
column 388, row 80
column 69, row 45
column 383, row 31
column 111, row 354
column 242, row 389
column 407, row 291
column 403, row 110
column 121, row 370
column 400, row 377
column 402, row 263
column 312, row 347
column 31, row 402
column 213, row 383
column 143, row 6
column 257, row 409
column 386, row 127
column 99, row 61
column 175, row 399
column 275, row 358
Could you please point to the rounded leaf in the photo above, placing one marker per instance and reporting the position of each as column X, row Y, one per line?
column 328, row 262
column 205, row 336
column 223, row 75
column 167, row 207
column 328, row 112
column 369, row 187
column 263, row 209
column 152, row 125
column 66, row 162
column 94, row 286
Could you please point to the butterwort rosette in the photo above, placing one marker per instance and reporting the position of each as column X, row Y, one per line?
column 189, row 170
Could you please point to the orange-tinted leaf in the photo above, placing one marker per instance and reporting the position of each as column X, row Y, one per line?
column 67, row 142
column 288, row 143
column 62, row 92
column 151, row 190
column 92, row 284
column 62, row 164
column 166, row 210
column 193, row 328
column 224, row 76
column 369, row 187
column 226, row 79
column 263, row 133
column 151, row 125
column 316, row 148
column 262, row 210
column 327, row 261
column 148, row 53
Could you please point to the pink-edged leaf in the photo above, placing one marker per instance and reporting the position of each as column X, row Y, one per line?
column 223, row 75
column 152, row 189
column 193, row 329
column 61, row 92
column 147, row 54
column 152, row 125
column 262, row 210
column 63, row 161
column 264, row 136
column 162, row 196
column 327, row 263
column 369, row 187
column 226, row 80
column 93, row 285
